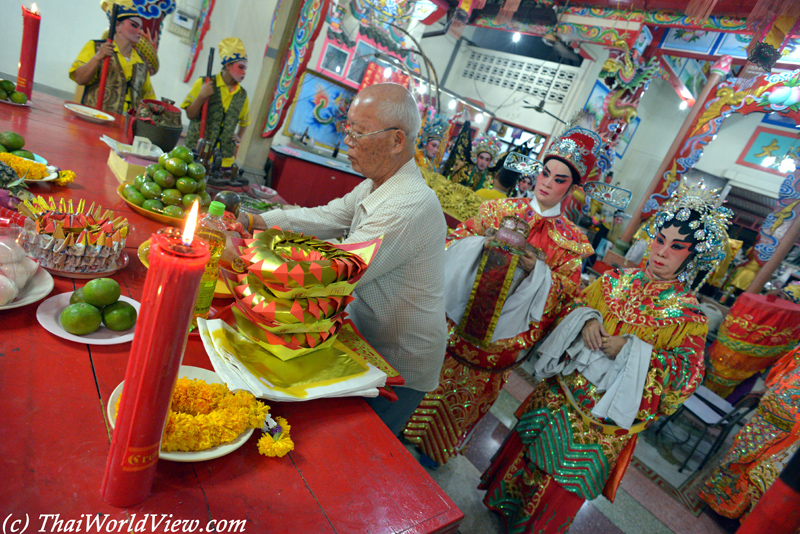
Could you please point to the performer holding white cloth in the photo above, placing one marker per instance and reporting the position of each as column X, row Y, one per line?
column 620, row 379
column 527, row 294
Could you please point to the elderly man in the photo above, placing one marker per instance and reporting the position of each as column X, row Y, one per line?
column 399, row 302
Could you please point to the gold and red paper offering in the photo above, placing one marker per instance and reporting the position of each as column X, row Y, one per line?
column 291, row 339
column 73, row 238
column 292, row 297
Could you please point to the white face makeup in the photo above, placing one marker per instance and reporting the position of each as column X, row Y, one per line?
column 668, row 251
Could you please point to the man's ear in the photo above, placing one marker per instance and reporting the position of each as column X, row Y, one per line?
column 399, row 141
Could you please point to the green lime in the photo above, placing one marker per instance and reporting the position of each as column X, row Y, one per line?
column 186, row 185
column 163, row 178
column 153, row 204
column 205, row 199
column 18, row 98
column 150, row 190
column 80, row 319
column 23, row 154
column 196, row 171
column 8, row 86
column 128, row 188
column 11, row 140
column 77, row 296
column 3, row 149
column 151, row 169
column 189, row 199
column 201, row 186
column 101, row 292
column 183, row 153
column 135, row 197
column 171, row 197
column 119, row 316
column 3, row 95
column 174, row 211
column 139, row 181
column 177, row 167
column 162, row 160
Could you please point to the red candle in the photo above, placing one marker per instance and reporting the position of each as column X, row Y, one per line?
column 173, row 280
column 27, row 57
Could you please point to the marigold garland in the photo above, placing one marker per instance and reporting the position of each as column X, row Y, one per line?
column 25, row 168
column 204, row 415
column 276, row 441
column 65, row 177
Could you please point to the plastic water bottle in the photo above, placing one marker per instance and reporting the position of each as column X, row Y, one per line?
column 210, row 229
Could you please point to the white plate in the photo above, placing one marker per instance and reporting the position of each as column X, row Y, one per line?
column 49, row 312
column 39, row 159
column 187, row 371
column 49, row 178
column 89, row 114
column 38, row 287
column 10, row 103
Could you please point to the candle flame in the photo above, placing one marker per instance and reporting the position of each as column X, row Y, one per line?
column 191, row 224
column 34, row 8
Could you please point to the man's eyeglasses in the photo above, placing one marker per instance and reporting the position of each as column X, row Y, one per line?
column 348, row 132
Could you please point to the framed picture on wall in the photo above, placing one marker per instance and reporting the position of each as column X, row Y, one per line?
column 334, row 60
column 697, row 41
column 594, row 104
column 767, row 148
column 320, row 110
column 364, row 55
column 627, row 135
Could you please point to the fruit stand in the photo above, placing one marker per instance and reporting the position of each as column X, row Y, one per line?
column 347, row 472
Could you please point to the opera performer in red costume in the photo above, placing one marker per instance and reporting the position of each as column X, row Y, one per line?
column 762, row 447
column 603, row 382
column 484, row 343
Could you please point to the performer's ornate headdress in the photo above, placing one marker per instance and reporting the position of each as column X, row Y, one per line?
column 578, row 149
column 126, row 9
column 486, row 143
column 708, row 229
column 231, row 49
column 434, row 128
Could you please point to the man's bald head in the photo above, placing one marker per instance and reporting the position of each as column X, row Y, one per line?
column 394, row 106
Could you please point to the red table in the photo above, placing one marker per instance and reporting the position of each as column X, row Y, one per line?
column 346, row 474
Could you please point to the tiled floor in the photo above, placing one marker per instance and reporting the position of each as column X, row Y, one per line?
column 640, row 507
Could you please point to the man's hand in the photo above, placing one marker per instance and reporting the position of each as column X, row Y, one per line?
column 258, row 222
column 612, row 345
column 596, row 338
column 593, row 334
column 527, row 261
column 206, row 90
column 106, row 50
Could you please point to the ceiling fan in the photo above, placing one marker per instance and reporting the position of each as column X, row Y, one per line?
column 540, row 109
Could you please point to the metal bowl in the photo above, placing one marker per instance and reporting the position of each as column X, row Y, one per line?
column 164, row 137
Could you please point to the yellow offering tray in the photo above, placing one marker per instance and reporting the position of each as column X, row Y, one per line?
column 281, row 346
